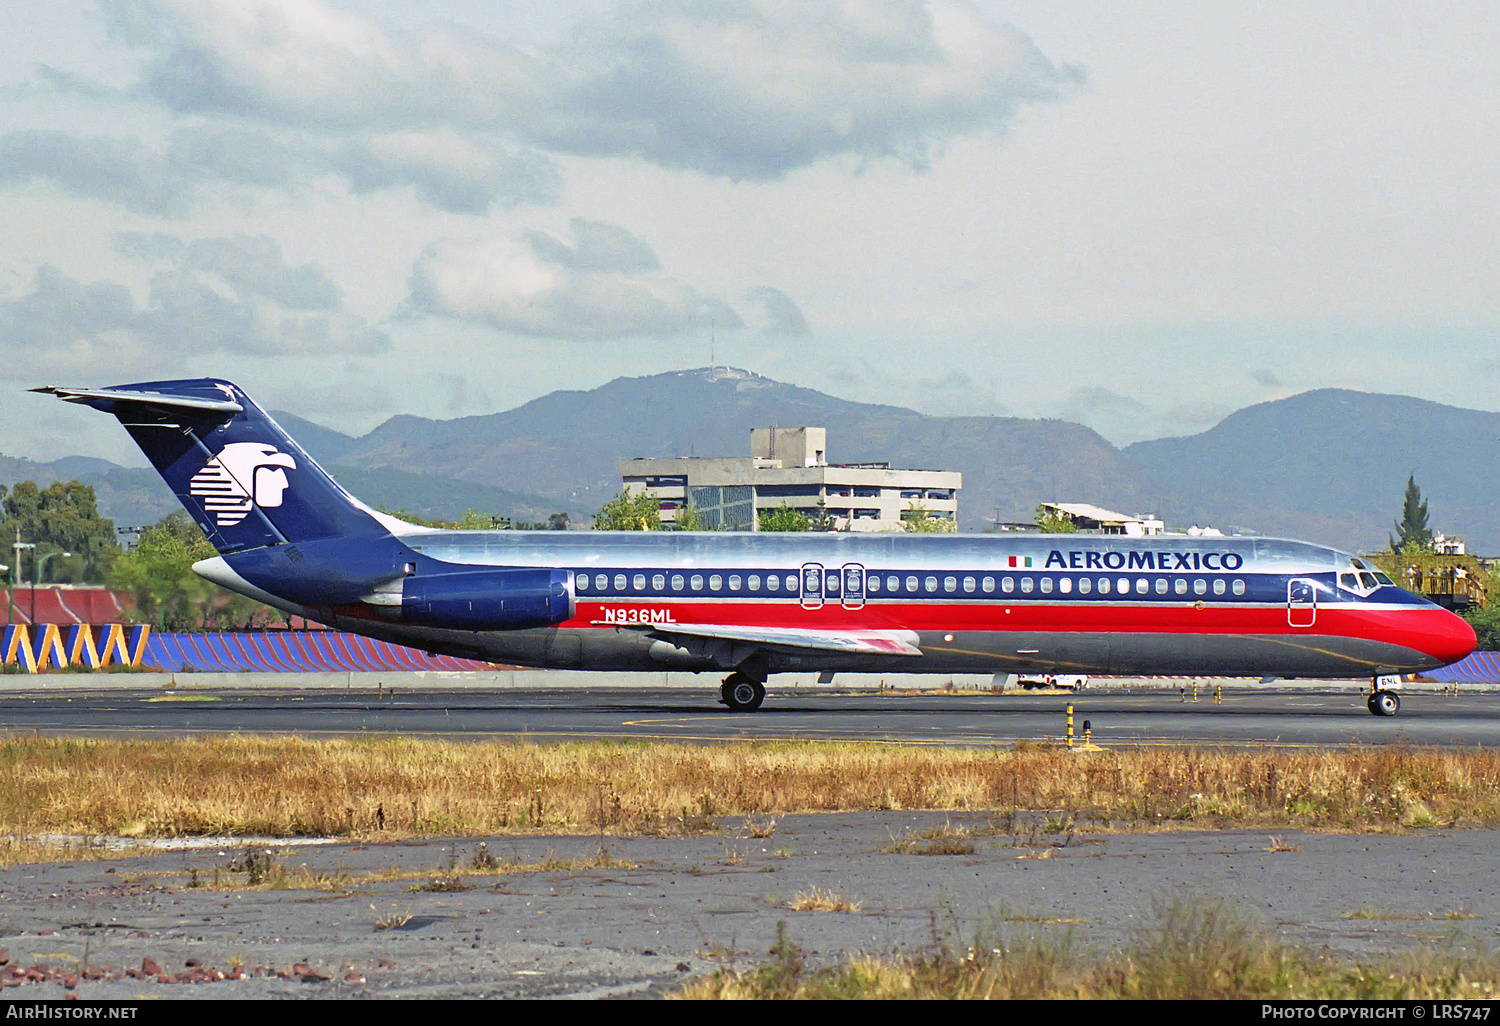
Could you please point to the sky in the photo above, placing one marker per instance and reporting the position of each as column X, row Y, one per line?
column 1139, row 216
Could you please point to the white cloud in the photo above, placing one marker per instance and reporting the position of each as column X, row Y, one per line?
column 460, row 174
column 224, row 295
column 743, row 88
column 464, row 174
column 121, row 171
column 602, row 285
column 782, row 316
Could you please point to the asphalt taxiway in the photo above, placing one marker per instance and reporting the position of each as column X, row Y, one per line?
column 1327, row 713
column 653, row 912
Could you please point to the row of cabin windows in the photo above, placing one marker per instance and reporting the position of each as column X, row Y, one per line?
column 913, row 584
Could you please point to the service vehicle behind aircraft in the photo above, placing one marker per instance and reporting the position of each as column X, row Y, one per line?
column 756, row 604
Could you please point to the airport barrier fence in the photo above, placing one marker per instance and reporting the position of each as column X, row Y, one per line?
column 1476, row 668
column 99, row 647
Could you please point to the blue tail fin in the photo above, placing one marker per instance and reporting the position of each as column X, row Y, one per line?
column 237, row 473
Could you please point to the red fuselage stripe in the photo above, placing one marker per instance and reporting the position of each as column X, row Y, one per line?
column 1407, row 626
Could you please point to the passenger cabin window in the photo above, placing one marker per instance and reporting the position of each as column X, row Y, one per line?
column 753, row 582
column 677, row 582
column 619, row 582
column 697, row 582
column 640, row 582
column 659, row 582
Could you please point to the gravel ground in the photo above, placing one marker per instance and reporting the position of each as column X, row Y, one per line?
column 653, row 912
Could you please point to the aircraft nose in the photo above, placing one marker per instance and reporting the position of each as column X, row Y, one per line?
column 1452, row 638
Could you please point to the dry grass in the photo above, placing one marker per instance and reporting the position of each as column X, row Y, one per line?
column 1370, row 912
column 819, row 900
column 290, row 787
column 944, row 840
column 1197, row 949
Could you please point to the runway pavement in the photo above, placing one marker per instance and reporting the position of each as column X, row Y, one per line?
column 1322, row 713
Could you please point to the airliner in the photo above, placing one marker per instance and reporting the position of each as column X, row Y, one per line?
column 756, row 604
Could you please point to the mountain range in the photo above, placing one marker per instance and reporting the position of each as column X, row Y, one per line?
column 1327, row 466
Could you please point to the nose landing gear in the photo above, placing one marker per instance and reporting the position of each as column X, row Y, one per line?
column 742, row 693
column 1383, row 700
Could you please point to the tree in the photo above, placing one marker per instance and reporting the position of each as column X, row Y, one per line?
column 1054, row 522
column 784, row 518
column 472, row 520
column 1486, row 623
column 626, row 512
column 158, row 573
column 63, row 517
column 1412, row 527
column 689, row 519
column 918, row 519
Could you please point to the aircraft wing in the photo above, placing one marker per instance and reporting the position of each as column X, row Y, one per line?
column 893, row 643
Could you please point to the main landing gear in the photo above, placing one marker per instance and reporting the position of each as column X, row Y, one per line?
column 742, row 693
column 1383, row 700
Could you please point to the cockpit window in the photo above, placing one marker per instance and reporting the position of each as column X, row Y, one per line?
column 1363, row 579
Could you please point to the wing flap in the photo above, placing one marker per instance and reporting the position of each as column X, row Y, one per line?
column 851, row 642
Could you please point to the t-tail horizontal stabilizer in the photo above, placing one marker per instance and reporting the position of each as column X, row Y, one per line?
column 237, row 473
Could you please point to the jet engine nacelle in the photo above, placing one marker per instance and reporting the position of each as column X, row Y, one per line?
column 488, row 600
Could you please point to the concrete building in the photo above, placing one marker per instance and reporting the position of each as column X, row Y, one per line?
column 1089, row 517
column 790, row 466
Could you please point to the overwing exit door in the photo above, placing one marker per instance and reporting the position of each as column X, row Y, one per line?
column 812, row 585
column 854, row 586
